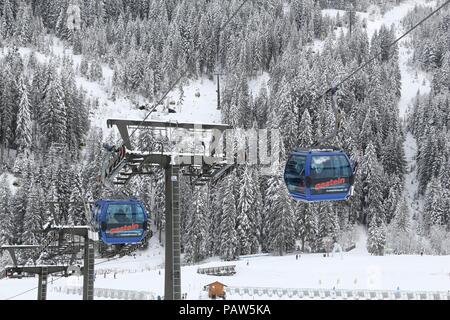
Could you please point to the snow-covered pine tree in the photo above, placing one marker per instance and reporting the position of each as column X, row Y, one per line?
column 215, row 217
column 5, row 210
column 95, row 71
column 392, row 201
column 257, row 224
column 84, row 67
column 7, row 106
column 61, row 23
column 64, row 184
column 35, row 215
column 18, row 212
column 281, row 217
column 54, row 116
column 306, row 222
column 328, row 226
column 402, row 220
column 246, row 211
column 376, row 239
column 77, row 214
column 393, row 156
column 74, row 108
column 23, row 129
column 7, row 19
column 24, row 24
column 77, row 42
column 372, row 180
column 92, row 164
column 197, row 229
column 400, row 235
column 48, row 10
column 434, row 208
column 228, row 234
column 305, row 136
column 112, row 9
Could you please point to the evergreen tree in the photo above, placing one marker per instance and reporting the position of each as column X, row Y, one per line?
column 84, row 67
column 402, row 220
column 305, row 138
column 197, row 230
column 24, row 26
column 434, row 209
column 23, row 129
column 228, row 234
column 376, row 239
column 306, row 224
column 8, row 105
column 77, row 214
column 54, row 116
column 35, row 216
column 281, row 217
column 6, row 212
column 372, row 189
column 7, row 19
column 95, row 71
column 328, row 226
column 246, row 211
column 17, row 221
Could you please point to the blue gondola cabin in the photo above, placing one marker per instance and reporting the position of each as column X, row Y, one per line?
column 319, row 175
column 120, row 221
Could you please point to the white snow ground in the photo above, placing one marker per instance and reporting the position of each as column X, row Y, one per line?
column 351, row 271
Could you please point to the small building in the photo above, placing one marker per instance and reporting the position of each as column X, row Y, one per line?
column 216, row 289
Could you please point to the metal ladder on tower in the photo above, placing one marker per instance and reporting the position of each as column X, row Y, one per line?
column 88, row 269
column 42, row 288
column 176, row 232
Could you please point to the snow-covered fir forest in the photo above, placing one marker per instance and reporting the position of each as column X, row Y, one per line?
column 52, row 150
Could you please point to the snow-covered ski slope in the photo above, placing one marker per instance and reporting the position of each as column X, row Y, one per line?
column 354, row 270
column 351, row 271
column 199, row 100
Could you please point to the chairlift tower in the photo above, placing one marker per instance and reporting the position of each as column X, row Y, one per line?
column 205, row 163
column 43, row 270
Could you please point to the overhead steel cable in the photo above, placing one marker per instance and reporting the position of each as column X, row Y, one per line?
column 363, row 65
column 332, row 90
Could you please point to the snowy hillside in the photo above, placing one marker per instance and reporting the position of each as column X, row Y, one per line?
column 198, row 102
column 413, row 80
